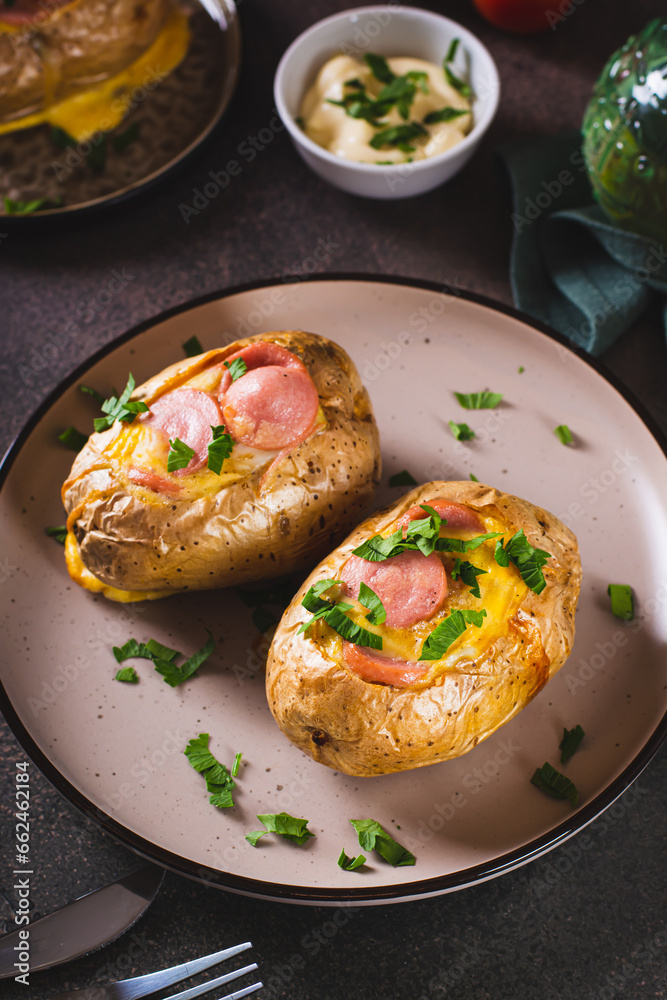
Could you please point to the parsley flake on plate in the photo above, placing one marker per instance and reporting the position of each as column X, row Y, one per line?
column 59, row 533
column 127, row 674
column 403, row 478
column 479, row 400
column 570, row 742
column 350, row 864
column 373, row 837
column 461, row 431
column 192, row 347
column 163, row 658
column 288, row 827
column 551, row 781
column 73, row 439
column 219, row 781
column 564, row 434
column 622, row 602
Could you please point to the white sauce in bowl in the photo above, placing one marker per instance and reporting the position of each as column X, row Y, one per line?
column 330, row 126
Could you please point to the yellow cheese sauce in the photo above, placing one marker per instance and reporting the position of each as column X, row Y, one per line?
column 331, row 127
column 502, row 591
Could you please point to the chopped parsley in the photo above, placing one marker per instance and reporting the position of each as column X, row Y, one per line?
column 451, row 51
column 468, row 573
column 464, row 89
column 448, row 631
column 402, row 479
column 555, row 784
column 192, row 347
column 263, row 619
column 237, row 368
column 120, row 409
column 219, row 449
column 127, row 674
column 422, row 535
column 372, row 837
column 379, row 67
column 219, row 781
column 15, row 207
column 571, row 740
column 163, row 658
column 564, row 434
column 73, row 439
column 59, row 533
column 61, row 138
column 461, row 431
column 398, row 135
column 180, row 455
column 479, row 400
column 350, row 864
column 236, row 765
column 528, row 560
column 622, row 603
column 288, row 827
column 521, row 369
column 474, row 477
column 334, row 614
column 447, row 114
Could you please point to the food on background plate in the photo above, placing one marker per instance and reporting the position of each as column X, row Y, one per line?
column 243, row 463
column 79, row 64
column 386, row 111
column 434, row 623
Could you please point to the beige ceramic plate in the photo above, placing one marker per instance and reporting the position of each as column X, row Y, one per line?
column 116, row 749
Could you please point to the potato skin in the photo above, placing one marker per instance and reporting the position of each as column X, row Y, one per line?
column 366, row 729
column 247, row 531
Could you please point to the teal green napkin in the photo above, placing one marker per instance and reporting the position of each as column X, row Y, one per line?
column 571, row 267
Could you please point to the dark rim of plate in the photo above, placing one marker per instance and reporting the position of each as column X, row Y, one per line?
column 414, row 889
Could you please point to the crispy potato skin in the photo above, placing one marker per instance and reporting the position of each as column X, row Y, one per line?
column 262, row 526
column 366, row 729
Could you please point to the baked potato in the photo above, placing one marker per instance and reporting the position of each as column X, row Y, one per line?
column 426, row 630
column 245, row 463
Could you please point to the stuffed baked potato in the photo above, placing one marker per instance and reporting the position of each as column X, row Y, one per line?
column 426, row 630
column 245, row 463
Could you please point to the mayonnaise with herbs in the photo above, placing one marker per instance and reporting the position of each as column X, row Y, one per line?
column 409, row 112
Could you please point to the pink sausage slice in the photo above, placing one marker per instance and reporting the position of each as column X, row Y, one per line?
column 187, row 414
column 152, row 481
column 271, row 407
column 368, row 665
column 261, row 354
column 411, row 586
column 456, row 515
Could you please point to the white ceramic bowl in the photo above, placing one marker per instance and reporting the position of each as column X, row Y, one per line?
column 391, row 30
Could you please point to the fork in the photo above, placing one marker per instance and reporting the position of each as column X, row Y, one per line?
column 141, row 986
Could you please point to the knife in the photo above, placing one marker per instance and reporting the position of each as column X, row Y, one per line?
column 81, row 926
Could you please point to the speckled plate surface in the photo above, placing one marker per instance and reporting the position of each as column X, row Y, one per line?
column 115, row 750
column 172, row 119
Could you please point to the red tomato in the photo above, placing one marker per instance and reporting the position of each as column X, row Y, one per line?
column 523, row 16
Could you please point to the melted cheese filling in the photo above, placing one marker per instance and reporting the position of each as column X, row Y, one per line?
column 331, row 127
column 502, row 591
column 102, row 107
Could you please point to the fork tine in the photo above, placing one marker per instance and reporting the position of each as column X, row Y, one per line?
column 196, row 991
column 243, row 993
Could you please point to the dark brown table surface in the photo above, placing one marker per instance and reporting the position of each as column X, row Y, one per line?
column 584, row 922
